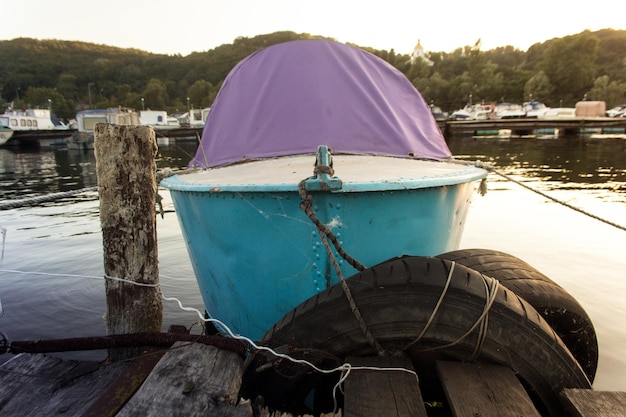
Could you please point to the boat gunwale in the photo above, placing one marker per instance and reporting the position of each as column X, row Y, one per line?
column 455, row 173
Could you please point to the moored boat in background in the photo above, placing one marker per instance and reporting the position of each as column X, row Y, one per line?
column 617, row 111
column 509, row 111
column 535, row 109
column 194, row 117
column 31, row 119
column 474, row 112
column 5, row 134
column 558, row 113
column 28, row 124
column 86, row 120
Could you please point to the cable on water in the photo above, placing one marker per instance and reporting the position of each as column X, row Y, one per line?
column 26, row 202
column 32, row 201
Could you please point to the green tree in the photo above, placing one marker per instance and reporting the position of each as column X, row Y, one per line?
column 117, row 76
column 132, row 101
column 200, row 94
column 67, row 85
column 48, row 98
column 538, row 87
column 123, row 90
column 569, row 64
column 612, row 92
column 155, row 95
column 419, row 69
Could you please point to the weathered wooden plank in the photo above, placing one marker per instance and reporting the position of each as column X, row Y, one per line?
column 39, row 385
column 191, row 380
column 382, row 393
column 124, row 387
column 484, row 390
column 589, row 403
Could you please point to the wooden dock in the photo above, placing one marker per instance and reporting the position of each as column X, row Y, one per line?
column 450, row 128
column 527, row 126
column 192, row 379
column 188, row 379
column 34, row 138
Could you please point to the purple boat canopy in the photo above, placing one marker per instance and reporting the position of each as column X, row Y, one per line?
column 292, row 97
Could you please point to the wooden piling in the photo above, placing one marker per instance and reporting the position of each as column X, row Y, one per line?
column 126, row 172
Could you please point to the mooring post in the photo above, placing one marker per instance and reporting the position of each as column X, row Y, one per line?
column 126, row 172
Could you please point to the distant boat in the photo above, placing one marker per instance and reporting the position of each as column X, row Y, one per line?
column 25, row 123
column 617, row 111
column 438, row 114
column 473, row 112
column 87, row 119
column 31, row 119
column 158, row 119
column 5, row 135
column 559, row 113
column 194, row 117
column 535, row 109
column 509, row 111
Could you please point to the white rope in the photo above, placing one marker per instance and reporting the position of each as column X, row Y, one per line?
column 105, row 276
column 344, row 368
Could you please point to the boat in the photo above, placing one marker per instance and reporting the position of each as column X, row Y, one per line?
column 158, row 119
column 194, row 117
column 509, row 111
column 235, row 149
column 83, row 137
column 535, row 109
column 153, row 117
column 323, row 213
column 173, row 122
column 474, row 112
column 5, row 134
column 29, row 125
column 438, row 114
column 559, row 113
column 31, row 119
column 617, row 111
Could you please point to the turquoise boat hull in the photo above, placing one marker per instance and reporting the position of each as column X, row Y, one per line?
column 256, row 254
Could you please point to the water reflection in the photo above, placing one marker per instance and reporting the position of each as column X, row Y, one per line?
column 27, row 172
column 554, row 164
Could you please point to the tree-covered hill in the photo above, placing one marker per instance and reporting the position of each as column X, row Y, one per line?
column 71, row 76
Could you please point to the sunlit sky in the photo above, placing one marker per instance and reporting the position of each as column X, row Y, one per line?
column 182, row 27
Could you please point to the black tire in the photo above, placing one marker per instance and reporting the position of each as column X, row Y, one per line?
column 562, row 312
column 396, row 299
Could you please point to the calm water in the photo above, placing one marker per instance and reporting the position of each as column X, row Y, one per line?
column 58, row 245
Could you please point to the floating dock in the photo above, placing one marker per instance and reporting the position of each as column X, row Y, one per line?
column 450, row 128
column 190, row 378
column 527, row 126
column 36, row 138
